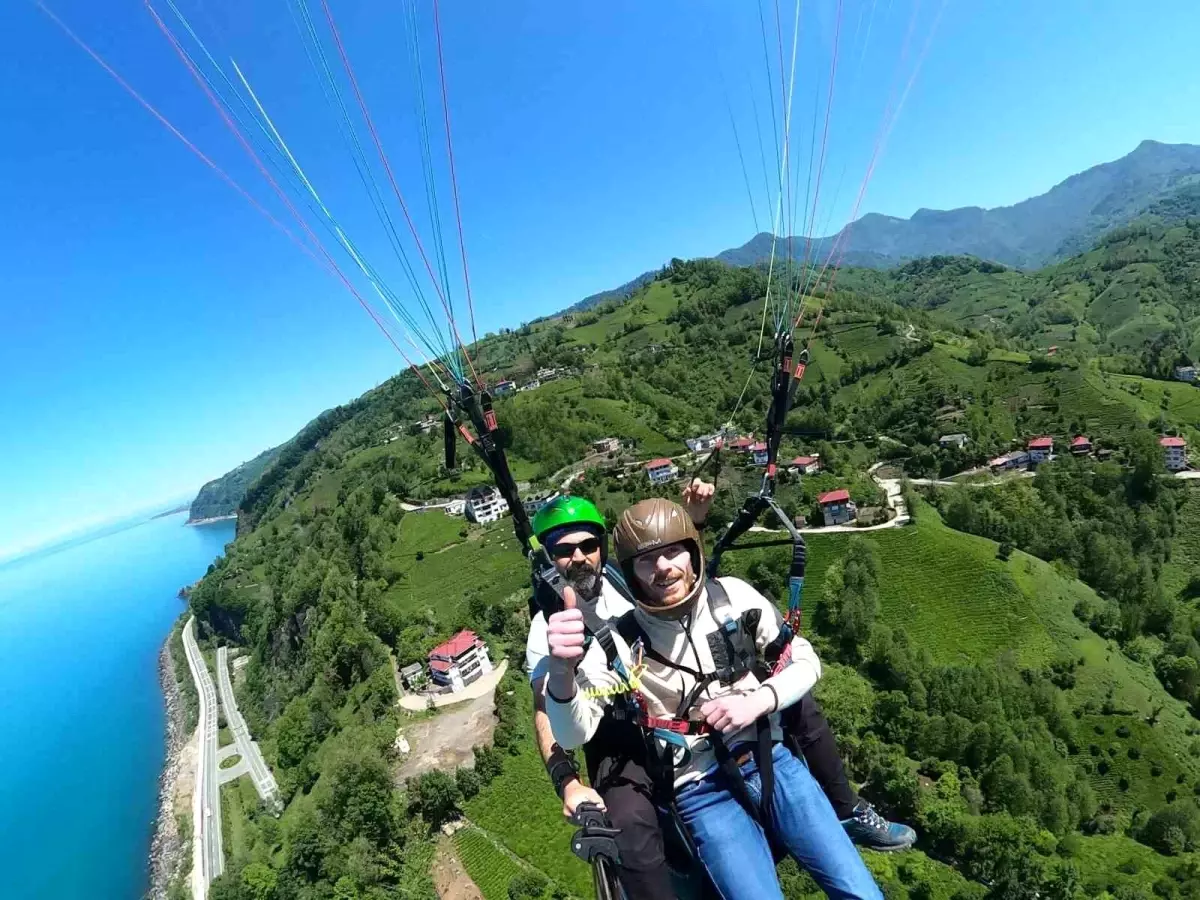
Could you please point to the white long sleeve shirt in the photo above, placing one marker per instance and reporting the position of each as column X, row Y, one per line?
column 664, row 687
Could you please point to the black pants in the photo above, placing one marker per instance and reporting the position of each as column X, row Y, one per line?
column 617, row 770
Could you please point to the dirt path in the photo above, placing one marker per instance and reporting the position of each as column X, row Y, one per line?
column 450, row 879
column 447, row 740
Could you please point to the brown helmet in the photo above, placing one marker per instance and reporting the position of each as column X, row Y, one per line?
column 648, row 525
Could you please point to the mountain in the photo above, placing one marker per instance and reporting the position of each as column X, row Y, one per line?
column 1160, row 180
column 624, row 292
column 221, row 496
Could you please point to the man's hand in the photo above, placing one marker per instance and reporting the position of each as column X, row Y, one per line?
column 697, row 498
column 564, row 633
column 730, row 713
column 575, row 793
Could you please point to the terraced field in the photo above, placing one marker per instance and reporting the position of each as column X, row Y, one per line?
column 489, row 867
column 1184, row 564
column 521, row 808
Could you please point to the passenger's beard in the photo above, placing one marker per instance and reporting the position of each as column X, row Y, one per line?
column 586, row 581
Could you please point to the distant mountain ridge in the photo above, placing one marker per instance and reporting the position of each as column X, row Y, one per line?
column 1156, row 179
column 221, row 496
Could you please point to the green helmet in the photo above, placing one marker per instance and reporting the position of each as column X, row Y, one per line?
column 567, row 511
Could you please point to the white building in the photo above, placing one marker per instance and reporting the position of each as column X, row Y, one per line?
column 760, row 453
column 702, row 443
column 1014, row 460
column 548, row 374
column 660, row 471
column 1174, row 453
column 607, row 445
column 534, row 505
column 456, row 507
column 459, row 661
column 958, row 440
column 424, row 426
column 484, row 504
column 1185, row 373
column 504, row 388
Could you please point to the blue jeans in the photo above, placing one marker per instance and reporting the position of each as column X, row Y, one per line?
column 735, row 851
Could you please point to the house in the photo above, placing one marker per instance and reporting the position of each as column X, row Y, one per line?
column 414, row 677
column 484, row 504
column 1052, row 349
column 1014, row 460
column 742, row 445
column 953, row 440
column 702, row 443
column 760, row 453
column 531, row 385
column 805, row 465
column 548, row 374
column 424, row 426
column 504, row 388
column 1174, row 452
column 456, row 507
column 1104, row 453
column 660, row 471
column 607, row 445
column 534, row 505
column 1040, row 449
column 1185, row 373
column 459, row 661
column 1081, row 446
column 836, row 507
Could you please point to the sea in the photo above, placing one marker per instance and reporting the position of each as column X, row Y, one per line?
column 82, row 716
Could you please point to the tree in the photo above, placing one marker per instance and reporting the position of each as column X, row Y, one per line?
column 259, row 881
column 467, row 781
column 527, row 886
column 434, row 796
column 852, row 597
column 357, row 795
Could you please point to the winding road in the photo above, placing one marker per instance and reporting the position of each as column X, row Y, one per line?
column 206, row 799
column 264, row 781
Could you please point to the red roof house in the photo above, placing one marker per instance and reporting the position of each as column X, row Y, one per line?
column 658, row 463
column 1041, row 443
column 1169, row 441
column 459, row 661
column 841, row 495
column 1081, row 445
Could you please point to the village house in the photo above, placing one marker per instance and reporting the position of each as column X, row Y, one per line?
column 607, row 445
column 836, row 507
column 456, row 507
column 660, row 471
column 504, row 388
column 548, row 374
column 1040, row 449
column 1014, row 460
column 1185, row 373
column 741, row 445
column 424, row 426
column 760, row 453
column 702, row 443
column 459, row 661
column 534, row 504
column 958, row 440
column 484, row 504
column 414, row 677
column 1081, row 446
column 805, row 465
column 1174, row 453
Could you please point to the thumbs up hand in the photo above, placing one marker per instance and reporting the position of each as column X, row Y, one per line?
column 564, row 632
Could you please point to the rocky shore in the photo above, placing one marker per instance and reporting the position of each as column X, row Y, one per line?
column 168, row 850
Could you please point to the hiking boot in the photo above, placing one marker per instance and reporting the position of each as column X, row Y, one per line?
column 869, row 829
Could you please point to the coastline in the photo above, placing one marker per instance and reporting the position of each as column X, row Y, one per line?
column 211, row 520
column 167, row 849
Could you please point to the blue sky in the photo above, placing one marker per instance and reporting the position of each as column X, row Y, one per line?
column 156, row 331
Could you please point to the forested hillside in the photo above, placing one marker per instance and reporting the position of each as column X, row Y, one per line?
column 221, row 496
column 1014, row 673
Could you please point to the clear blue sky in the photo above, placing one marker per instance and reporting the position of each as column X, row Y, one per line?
column 156, row 331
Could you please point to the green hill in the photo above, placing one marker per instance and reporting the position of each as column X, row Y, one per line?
column 969, row 702
column 222, row 496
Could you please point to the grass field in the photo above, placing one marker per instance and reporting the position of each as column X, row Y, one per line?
column 1185, row 550
column 446, row 575
column 1142, row 788
column 932, row 576
column 521, row 808
column 238, row 799
column 489, row 867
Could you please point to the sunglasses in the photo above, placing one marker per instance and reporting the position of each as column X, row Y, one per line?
column 587, row 547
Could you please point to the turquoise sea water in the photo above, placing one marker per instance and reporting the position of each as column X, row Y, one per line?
column 82, row 720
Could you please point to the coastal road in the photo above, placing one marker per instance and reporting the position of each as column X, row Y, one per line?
column 206, row 801
column 264, row 781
